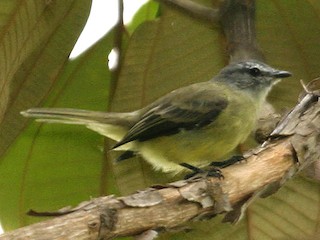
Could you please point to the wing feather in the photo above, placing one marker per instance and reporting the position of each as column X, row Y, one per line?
column 186, row 109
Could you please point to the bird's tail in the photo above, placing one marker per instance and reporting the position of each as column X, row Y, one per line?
column 112, row 125
column 77, row 116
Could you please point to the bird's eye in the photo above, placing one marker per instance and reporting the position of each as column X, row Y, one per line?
column 255, row 71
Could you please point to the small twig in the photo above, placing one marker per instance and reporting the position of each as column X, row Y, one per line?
column 305, row 87
column 117, row 46
column 194, row 9
column 293, row 114
column 147, row 235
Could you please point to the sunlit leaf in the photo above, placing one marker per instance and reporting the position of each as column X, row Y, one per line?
column 36, row 39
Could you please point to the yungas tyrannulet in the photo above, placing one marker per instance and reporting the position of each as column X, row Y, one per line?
column 196, row 124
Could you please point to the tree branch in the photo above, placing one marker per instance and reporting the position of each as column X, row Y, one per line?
column 195, row 9
column 171, row 206
column 238, row 24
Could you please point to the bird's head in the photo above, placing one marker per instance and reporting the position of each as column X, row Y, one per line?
column 252, row 76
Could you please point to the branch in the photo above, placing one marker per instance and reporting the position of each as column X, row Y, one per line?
column 177, row 203
column 118, row 47
column 238, row 24
column 195, row 9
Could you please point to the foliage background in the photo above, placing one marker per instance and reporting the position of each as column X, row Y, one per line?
column 46, row 167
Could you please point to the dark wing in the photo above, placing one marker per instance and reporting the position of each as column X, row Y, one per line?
column 185, row 109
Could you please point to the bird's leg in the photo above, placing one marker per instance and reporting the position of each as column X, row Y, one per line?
column 214, row 168
column 212, row 172
column 126, row 155
column 228, row 162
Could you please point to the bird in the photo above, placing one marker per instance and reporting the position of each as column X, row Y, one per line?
column 190, row 126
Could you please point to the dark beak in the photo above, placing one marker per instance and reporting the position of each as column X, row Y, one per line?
column 281, row 74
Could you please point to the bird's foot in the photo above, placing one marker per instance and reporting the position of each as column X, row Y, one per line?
column 228, row 162
column 198, row 172
column 126, row 155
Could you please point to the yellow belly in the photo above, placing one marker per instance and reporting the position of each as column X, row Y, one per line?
column 201, row 146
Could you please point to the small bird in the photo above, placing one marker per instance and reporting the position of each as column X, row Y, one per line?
column 192, row 125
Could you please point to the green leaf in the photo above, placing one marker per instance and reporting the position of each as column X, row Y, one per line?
column 292, row 213
column 35, row 41
column 288, row 32
column 147, row 12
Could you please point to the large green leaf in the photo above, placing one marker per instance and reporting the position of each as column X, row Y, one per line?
column 35, row 41
column 288, row 32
